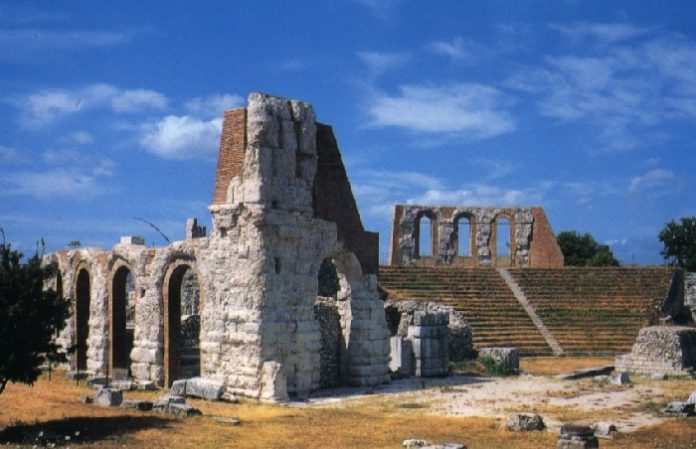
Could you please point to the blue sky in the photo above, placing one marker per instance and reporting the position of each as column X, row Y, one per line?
column 112, row 112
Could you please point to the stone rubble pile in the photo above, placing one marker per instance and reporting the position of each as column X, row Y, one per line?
column 665, row 350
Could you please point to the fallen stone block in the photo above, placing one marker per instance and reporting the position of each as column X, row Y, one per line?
column 659, row 376
column 413, row 444
column 692, row 398
column 146, row 385
column 108, row 397
column 183, row 410
column 137, row 405
column 163, row 402
column 230, row 397
column 506, row 359
column 86, row 399
column 178, row 388
column 620, row 379
column 123, row 385
column 204, row 388
column 524, row 422
column 679, row 408
column 577, row 437
column 604, row 430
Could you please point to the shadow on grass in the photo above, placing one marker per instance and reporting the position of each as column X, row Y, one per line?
column 77, row 429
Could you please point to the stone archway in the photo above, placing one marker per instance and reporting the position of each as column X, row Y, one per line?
column 182, row 356
column 122, row 321
column 82, row 309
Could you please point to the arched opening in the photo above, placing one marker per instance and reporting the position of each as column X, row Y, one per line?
column 82, row 300
column 503, row 241
column 122, row 322
column 327, row 314
column 463, row 226
column 182, row 321
column 424, row 241
column 59, row 283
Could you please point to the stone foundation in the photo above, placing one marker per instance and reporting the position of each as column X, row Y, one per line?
column 669, row 350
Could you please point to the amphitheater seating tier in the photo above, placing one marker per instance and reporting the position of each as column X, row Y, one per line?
column 595, row 310
column 495, row 316
column 590, row 311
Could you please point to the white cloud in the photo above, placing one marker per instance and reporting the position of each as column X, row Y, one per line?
column 213, row 105
column 63, row 157
column 606, row 32
column 52, row 183
column 46, row 106
column 182, row 137
column 458, row 50
column 653, row 178
column 380, row 62
column 31, row 44
column 624, row 90
column 11, row 156
column 80, row 137
column 469, row 109
column 480, row 195
column 138, row 99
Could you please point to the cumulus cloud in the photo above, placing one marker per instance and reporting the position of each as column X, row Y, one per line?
column 380, row 62
column 138, row 99
column 468, row 109
column 213, row 106
column 182, row 137
column 653, row 178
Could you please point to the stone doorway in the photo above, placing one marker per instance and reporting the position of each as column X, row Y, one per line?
column 82, row 302
column 182, row 323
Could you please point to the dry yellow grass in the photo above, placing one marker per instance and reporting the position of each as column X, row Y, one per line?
column 55, row 405
column 549, row 366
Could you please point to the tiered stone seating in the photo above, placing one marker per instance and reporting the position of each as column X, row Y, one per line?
column 595, row 310
column 495, row 316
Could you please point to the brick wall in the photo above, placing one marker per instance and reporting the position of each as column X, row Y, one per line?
column 334, row 201
column 544, row 250
column 231, row 158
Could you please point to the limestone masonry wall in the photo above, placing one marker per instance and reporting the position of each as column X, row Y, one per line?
column 282, row 205
column 531, row 240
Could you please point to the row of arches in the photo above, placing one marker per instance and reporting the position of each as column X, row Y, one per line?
column 463, row 236
column 180, row 309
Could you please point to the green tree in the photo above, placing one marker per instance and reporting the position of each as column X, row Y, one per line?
column 30, row 317
column 680, row 243
column 582, row 250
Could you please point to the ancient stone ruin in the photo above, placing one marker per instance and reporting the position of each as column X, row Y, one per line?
column 238, row 306
column 666, row 350
column 468, row 236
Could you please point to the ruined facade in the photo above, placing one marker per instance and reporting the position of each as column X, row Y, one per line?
column 282, row 206
column 468, row 236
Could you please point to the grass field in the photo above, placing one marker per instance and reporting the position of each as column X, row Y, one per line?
column 54, row 406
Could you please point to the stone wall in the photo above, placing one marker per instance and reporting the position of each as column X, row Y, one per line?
column 531, row 239
column 690, row 293
column 282, row 205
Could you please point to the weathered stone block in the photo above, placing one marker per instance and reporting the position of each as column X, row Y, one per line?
column 108, row 397
column 204, row 388
column 136, row 404
column 507, row 359
column 524, row 422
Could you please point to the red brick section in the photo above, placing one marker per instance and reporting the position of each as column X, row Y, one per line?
column 334, row 201
column 544, row 251
column 232, row 147
column 394, row 248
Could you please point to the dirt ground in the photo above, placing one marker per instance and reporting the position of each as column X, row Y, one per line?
column 464, row 408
